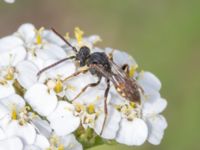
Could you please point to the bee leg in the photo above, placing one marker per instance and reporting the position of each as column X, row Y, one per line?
column 87, row 86
column 105, row 106
column 141, row 89
column 54, row 64
column 110, row 55
column 74, row 75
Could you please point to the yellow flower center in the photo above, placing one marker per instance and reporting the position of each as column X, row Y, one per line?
column 132, row 104
column 38, row 35
column 132, row 70
column 59, row 86
column 22, row 115
column 14, row 113
column 97, row 98
column 67, row 36
column 55, row 143
column 79, row 107
column 78, row 34
column 129, row 111
column 10, row 74
column 61, row 147
column 91, row 109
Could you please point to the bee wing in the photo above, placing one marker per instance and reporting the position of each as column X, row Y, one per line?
column 128, row 84
column 120, row 76
column 117, row 70
column 117, row 76
column 121, row 81
column 101, row 69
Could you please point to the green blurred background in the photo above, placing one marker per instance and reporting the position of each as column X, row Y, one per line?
column 162, row 35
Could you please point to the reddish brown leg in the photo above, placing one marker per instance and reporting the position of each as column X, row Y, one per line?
column 75, row 74
column 105, row 105
column 110, row 55
column 87, row 86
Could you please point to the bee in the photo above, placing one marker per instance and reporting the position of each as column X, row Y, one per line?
column 102, row 66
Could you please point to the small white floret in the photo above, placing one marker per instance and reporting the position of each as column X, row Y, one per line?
column 40, row 99
column 132, row 132
column 62, row 119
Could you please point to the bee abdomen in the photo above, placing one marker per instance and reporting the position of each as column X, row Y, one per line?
column 131, row 94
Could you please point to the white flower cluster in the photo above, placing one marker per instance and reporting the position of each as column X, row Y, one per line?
column 37, row 112
column 9, row 1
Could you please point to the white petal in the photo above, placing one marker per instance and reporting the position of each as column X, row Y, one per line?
column 27, row 32
column 149, row 80
column 93, row 95
column 5, row 121
column 39, row 62
column 12, row 56
column 62, row 70
column 76, row 84
column 96, row 49
column 51, row 51
column 111, row 126
column 10, row 42
column 2, row 134
column 88, row 41
column 154, row 107
column 62, row 119
column 41, row 142
column 156, row 126
column 70, row 142
column 51, row 37
column 93, row 39
column 13, row 143
column 41, row 101
column 31, row 147
column 116, row 98
column 9, row 1
column 132, row 132
column 15, row 100
column 3, row 111
column 149, row 95
column 121, row 58
column 6, row 90
column 27, row 73
column 43, row 126
column 26, row 132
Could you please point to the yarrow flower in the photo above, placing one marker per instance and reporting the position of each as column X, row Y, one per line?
column 44, row 112
column 9, row 1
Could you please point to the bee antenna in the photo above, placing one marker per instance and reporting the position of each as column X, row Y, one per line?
column 73, row 48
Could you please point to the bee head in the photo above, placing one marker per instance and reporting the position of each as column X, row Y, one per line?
column 83, row 55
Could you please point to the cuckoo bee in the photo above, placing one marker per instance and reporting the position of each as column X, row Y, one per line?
column 102, row 66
